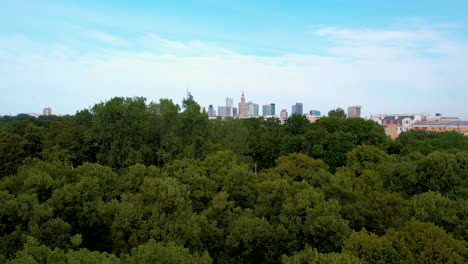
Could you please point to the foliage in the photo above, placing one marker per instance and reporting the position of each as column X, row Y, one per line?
column 128, row 181
column 338, row 113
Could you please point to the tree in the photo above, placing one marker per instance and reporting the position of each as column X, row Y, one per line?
column 416, row 242
column 338, row 113
column 164, row 253
column 312, row 256
column 365, row 157
column 120, row 127
column 12, row 153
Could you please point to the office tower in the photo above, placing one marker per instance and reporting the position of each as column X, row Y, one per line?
column 256, row 110
column 189, row 96
column 224, row 111
column 354, row 111
column 272, row 110
column 284, row 114
column 250, row 108
column 211, row 111
column 266, row 110
column 47, row 111
column 314, row 112
column 243, row 107
column 297, row 109
column 229, row 102
column 234, row 111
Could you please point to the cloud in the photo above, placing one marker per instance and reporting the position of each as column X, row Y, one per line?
column 107, row 38
column 180, row 48
column 379, row 69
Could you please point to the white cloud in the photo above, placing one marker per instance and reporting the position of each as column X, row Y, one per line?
column 363, row 69
column 107, row 38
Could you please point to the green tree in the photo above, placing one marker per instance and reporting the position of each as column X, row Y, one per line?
column 120, row 127
column 338, row 113
column 312, row 256
column 365, row 157
column 164, row 253
column 416, row 242
column 12, row 153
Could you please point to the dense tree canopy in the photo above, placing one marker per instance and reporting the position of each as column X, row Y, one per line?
column 128, row 181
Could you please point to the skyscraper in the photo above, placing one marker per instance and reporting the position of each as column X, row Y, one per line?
column 297, row 109
column 211, row 111
column 266, row 110
column 234, row 111
column 224, row 111
column 189, row 96
column 229, row 102
column 256, row 110
column 250, row 108
column 243, row 107
column 284, row 114
column 47, row 111
column 354, row 111
column 272, row 109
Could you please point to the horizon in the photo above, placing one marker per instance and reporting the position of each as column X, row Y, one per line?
column 396, row 57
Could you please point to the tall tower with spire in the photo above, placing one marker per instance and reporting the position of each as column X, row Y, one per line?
column 243, row 110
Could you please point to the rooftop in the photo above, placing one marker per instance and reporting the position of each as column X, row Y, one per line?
column 458, row 122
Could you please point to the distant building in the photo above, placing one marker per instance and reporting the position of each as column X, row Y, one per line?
column 297, row 109
column 189, row 96
column 229, row 102
column 33, row 115
column 284, row 114
column 224, row 111
column 442, row 126
column 272, row 109
column 47, row 111
column 234, row 111
column 211, row 111
column 354, row 111
column 250, row 109
column 256, row 110
column 395, row 124
column 266, row 110
column 314, row 112
column 243, row 107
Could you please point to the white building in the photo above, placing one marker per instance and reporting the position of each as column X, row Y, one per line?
column 399, row 123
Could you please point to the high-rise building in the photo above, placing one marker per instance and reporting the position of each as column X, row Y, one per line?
column 284, row 114
column 229, row 102
column 224, row 110
column 273, row 109
column 47, row 111
column 314, row 112
column 354, row 111
column 256, row 110
column 266, row 110
column 234, row 111
column 243, row 107
column 189, row 96
column 297, row 109
column 211, row 111
column 250, row 109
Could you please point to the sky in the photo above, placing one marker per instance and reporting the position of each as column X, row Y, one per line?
column 389, row 56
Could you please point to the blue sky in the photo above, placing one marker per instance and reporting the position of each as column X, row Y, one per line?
column 388, row 56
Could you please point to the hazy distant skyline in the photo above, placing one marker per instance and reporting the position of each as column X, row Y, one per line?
column 388, row 56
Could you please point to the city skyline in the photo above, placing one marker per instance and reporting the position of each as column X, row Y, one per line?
column 398, row 56
column 212, row 110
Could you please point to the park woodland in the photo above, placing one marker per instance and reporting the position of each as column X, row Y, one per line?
column 133, row 181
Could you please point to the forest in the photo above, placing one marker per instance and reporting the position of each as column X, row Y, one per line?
column 131, row 181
